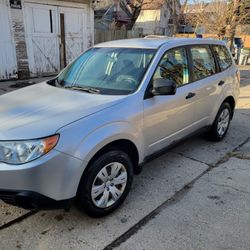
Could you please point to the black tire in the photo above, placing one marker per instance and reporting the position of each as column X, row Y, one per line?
column 84, row 199
column 213, row 133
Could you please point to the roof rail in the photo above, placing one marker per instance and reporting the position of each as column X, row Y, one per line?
column 156, row 36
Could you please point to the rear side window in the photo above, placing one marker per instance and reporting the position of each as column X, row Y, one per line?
column 223, row 57
column 203, row 62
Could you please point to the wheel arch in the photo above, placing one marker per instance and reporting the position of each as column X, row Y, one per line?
column 231, row 101
column 124, row 145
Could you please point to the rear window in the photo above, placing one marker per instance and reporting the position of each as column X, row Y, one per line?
column 223, row 57
column 203, row 62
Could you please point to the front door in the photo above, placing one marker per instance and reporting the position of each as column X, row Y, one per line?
column 168, row 118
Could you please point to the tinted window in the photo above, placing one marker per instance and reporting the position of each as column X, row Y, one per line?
column 203, row 62
column 223, row 57
column 174, row 66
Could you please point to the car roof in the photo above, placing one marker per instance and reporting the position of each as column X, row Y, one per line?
column 152, row 42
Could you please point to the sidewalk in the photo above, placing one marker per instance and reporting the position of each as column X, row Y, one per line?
column 213, row 213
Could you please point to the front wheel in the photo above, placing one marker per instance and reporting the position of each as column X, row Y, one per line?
column 106, row 183
column 222, row 122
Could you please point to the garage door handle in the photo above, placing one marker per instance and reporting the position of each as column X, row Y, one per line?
column 221, row 83
column 190, row 95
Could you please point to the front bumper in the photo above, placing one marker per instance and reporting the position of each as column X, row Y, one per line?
column 55, row 176
column 32, row 200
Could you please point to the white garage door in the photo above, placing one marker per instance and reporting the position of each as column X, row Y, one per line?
column 55, row 36
column 42, row 35
column 74, row 28
column 8, row 64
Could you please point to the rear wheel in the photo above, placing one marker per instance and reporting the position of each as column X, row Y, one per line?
column 222, row 122
column 106, row 183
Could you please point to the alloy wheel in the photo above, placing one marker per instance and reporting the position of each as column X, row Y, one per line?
column 223, row 122
column 109, row 185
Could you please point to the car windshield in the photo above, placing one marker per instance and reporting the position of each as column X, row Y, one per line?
column 110, row 71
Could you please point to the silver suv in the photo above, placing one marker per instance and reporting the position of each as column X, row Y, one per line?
column 83, row 135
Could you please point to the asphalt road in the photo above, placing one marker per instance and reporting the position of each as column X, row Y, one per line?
column 197, row 196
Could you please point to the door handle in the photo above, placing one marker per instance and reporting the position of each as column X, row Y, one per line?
column 190, row 95
column 221, row 83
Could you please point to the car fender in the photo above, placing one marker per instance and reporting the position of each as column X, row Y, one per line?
column 106, row 134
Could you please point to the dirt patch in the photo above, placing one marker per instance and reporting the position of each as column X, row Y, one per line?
column 59, row 217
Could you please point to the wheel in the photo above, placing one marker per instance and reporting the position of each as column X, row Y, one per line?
column 222, row 122
column 105, row 184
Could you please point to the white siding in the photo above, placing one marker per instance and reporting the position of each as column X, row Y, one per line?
column 8, row 64
column 148, row 20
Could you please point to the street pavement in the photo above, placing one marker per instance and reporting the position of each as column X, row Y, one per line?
column 196, row 196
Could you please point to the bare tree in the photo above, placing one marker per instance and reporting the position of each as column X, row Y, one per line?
column 175, row 15
column 179, row 8
column 134, row 7
column 220, row 17
column 176, row 8
column 211, row 16
column 237, row 14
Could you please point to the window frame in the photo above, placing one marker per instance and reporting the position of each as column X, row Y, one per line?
column 192, row 80
column 147, row 94
column 218, row 58
column 208, row 46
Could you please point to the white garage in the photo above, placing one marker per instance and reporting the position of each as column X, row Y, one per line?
column 42, row 36
column 56, row 33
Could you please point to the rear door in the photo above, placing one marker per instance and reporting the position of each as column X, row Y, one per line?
column 227, row 69
column 206, row 81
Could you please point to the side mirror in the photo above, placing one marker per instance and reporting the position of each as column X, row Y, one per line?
column 164, row 87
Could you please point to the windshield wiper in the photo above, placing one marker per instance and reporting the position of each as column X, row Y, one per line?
column 84, row 89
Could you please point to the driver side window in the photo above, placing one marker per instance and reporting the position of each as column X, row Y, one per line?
column 174, row 66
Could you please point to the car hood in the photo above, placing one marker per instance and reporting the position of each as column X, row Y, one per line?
column 40, row 110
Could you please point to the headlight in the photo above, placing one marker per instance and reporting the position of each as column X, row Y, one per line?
column 19, row 152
